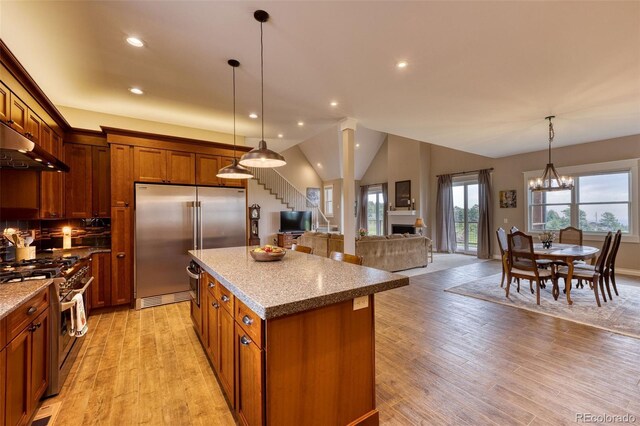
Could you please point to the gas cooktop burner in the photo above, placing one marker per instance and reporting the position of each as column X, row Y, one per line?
column 34, row 269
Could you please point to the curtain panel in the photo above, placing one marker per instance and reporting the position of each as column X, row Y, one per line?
column 385, row 217
column 445, row 226
column 485, row 214
column 363, row 200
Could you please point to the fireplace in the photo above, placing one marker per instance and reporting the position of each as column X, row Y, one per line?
column 403, row 229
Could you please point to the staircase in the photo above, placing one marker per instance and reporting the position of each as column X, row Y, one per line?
column 294, row 199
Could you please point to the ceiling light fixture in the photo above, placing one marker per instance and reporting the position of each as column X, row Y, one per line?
column 300, row 123
column 262, row 156
column 135, row 42
column 136, row 90
column 402, row 64
column 234, row 170
column 550, row 181
column 280, row 135
column 334, row 104
column 357, row 145
column 253, row 115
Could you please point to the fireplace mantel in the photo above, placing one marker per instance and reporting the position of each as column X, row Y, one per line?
column 401, row 212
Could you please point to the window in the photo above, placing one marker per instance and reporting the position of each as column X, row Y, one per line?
column 328, row 200
column 601, row 201
column 375, row 211
column 465, row 214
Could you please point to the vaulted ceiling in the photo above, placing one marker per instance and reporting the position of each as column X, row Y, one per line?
column 481, row 76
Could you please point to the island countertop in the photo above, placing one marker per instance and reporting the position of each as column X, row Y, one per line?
column 297, row 283
column 13, row 295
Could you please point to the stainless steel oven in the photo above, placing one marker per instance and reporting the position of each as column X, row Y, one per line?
column 194, row 271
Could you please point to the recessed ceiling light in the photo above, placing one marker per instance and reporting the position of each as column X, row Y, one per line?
column 357, row 145
column 402, row 64
column 50, row 166
column 319, row 165
column 135, row 42
column 253, row 115
column 38, row 159
column 280, row 135
column 22, row 151
column 136, row 90
column 333, row 104
column 300, row 123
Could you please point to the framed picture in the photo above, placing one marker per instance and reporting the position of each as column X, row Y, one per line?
column 508, row 199
column 403, row 194
column 313, row 197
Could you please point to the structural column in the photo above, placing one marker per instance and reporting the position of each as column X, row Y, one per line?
column 348, row 133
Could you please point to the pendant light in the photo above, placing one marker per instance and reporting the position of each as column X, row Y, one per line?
column 234, row 170
column 262, row 156
column 550, row 181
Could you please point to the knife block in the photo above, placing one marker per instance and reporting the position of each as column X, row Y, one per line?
column 25, row 253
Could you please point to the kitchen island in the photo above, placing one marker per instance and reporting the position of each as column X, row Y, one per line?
column 292, row 342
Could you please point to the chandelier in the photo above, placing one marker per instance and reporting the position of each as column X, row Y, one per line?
column 550, row 180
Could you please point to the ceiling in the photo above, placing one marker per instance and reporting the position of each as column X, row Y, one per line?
column 481, row 76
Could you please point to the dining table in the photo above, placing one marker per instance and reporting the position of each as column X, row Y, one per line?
column 565, row 253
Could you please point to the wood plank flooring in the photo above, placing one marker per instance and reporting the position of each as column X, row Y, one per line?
column 441, row 358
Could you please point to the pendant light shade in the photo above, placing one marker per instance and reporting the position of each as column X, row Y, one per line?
column 550, row 180
column 262, row 156
column 234, row 170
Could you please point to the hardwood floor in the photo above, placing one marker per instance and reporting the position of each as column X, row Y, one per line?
column 441, row 358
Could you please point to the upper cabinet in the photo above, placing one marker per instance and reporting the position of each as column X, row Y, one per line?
column 34, row 126
column 5, row 103
column 51, row 184
column 121, row 176
column 163, row 166
column 87, row 184
column 17, row 114
column 207, row 167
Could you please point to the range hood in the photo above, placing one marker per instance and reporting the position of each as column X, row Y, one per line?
column 19, row 153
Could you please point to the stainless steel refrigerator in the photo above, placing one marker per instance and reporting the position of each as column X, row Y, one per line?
column 169, row 221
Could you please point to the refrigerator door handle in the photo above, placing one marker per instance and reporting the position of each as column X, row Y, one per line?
column 200, row 224
column 195, row 225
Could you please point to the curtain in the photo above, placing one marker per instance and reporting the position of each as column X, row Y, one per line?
column 445, row 227
column 363, row 201
column 385, row 200
column 485, row 214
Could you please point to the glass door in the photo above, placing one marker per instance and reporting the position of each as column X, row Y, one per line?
column 375, row 211
column 465, row 207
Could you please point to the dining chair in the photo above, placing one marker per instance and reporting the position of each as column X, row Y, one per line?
column 593, row 274
column 610, row 267
column 348, row 258
column 522, row 264
column 504, row 255
column 570, row 235
column 301, row 248
column 514, row 229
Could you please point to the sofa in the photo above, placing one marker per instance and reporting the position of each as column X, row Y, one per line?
column 391, row 253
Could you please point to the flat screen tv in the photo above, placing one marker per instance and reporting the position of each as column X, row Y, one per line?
column 295, row 221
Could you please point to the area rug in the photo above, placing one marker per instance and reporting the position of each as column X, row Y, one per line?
column 443, row 261
column 622, row 315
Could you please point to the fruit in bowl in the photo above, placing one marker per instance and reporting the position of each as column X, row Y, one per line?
column 268, row 253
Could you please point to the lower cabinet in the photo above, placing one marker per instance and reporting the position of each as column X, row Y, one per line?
column 101, row 286
column 121, row 256
column 213, row 331
column 27, row 370
column 3, row 381
column 249, row 379
column 226, row 371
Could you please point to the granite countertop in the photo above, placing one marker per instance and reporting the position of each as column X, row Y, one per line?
column 81, row 252
column 297, row 283
column 13, row 295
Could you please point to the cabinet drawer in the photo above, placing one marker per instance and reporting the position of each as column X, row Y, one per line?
column 27, row 312
column 3, row 335
column 211, row 284
column 224, row 296
column 250, row 322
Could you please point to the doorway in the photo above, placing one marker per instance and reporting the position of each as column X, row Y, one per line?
column 465, row 207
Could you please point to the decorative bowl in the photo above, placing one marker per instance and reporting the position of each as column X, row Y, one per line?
column 264, row 256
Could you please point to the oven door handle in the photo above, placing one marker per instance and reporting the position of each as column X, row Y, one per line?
column 82, row 290
column 191, row 274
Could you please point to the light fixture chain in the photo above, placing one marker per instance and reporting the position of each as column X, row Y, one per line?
column 262, row 76
column 234, row 112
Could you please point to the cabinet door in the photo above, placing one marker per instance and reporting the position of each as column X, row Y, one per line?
column 34, row 126
column 181, row 167
column 213, row 330
column 39, row 358
column 51, row 186
column 101, row 182
column 46, row 138
column 18, row 111
column 249, row 384
column 121, row 177
column 226, row 370
column 18, row 354
column 3, row 381
column 207, row 167
column 101, row 286
column 226, row 161
column 77, row 182
column 149, row 164
column 121, row 258
column 5, row 104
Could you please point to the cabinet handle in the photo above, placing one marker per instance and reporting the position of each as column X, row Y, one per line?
column 120, row 255
column 38, row 325
column 245, row 340
column 247, row 320
column 32, row 310
column 212, row 284
column 10, row 121
column 215, row 305
column 225, row 298
column 126, row 204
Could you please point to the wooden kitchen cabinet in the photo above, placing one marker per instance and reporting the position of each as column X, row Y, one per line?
column 121, row 175
column 149, row 164
column 181, row 167
column 17, row 114
column 226, row 161
column 3, row 381
column 101, row 286
column 226, row 372
column 39, row 358
column 51, row 185
column 121, row 256
column 101, row 182
column 77, row 182
column 34, row 127
column 207, row 167
column 249, row 379
column 213, row 330
column 5, row 103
